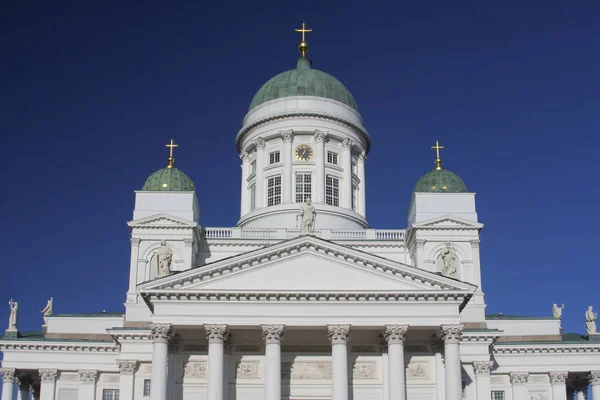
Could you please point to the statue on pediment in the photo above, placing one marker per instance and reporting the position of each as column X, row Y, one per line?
column 449, row 259
column 164, row 257
column 590, row 321
column 13, row 319
column 557, row 311
column 47, row 310
column 309, row 216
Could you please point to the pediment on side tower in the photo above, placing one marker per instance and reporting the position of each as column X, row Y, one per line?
column 308, row 266
column 448, row 222
column 162, row 221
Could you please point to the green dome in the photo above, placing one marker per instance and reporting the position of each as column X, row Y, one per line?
column 441, row 180
column 169, row 179
column 303, row 81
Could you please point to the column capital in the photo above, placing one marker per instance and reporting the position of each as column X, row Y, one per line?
column 272, row 333
column 320, row 136
column 558, row 378
column 475, row 243
column 287, row 135
column 452, row 333
column 88, row 377
column 338, row 334
column 347, row 144
column 48, row 375
column 482, row 368
column 260, row 143
column 216, row 333
column 395, row 334
column 595, row 377
column 161, row 332
column 421, row 242
column 8, row 374
column 135, row 241
column 127, row 367
column 362, row 157
column 518, row 378
column 244, row 156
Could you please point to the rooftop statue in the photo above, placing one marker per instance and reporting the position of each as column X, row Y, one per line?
column 309, row 215
column 47, row 310
column 13, row 319
column 590, row 321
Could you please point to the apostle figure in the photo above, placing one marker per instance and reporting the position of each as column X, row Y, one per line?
column 309, row 215
column 449, row 259
column 164, row 256
column 590, row 321
column 47, row 311
column 557, row 311
column 14, row 315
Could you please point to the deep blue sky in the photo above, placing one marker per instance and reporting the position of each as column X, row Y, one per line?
column 91, row 92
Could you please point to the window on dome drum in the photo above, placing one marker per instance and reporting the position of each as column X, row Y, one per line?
column 274, row 157
column 110, row 394
column 274, row 191
column 332, row 191
column 354, row 193
column 252, row 167
column 332, row 158
column 497, row 395
column 146, row 387
column 303, row 187
column 252, row 197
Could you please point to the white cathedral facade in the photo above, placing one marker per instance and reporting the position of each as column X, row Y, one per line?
column 301, row 300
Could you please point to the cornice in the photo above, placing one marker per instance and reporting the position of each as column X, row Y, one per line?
column 132, row 335
column 551, row 348
column 60, row 346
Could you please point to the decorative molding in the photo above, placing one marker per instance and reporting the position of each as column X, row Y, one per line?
column 395, row 334
column 8, row 374
column 595, row 377
column 127, row 367
column 557, row 348
column 48, row 375
column 161, row 332
column 244, row 156
column 338, row 334
column 287, row 135
column 365, row 371
column 188, row 242
column 195, row 369
column 451, row 334
column 559, row 378
column 135, row 241
column 216, row 333
column 88, row 377
column 518, row 378
column 362, row 157
column 259, row 143
column 347, row 144
column 306, row 370
column 272, row 333
column 421, row 243
column 417, row 371
column 247, row 369
column 475, row 243
column 538, row 396
column 60, row 346
column 320, row 136
column 482, row 368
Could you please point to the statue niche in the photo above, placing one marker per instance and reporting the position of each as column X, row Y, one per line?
column 447, row 261
column 160, row 261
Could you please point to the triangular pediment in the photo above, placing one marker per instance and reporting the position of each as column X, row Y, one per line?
column 306, row 264
column 161, row 220
column 448, row 221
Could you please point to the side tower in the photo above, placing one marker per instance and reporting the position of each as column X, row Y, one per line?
column 303, row 139
column 443, row 231
column 165, row 233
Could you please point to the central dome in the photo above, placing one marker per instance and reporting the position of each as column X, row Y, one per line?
column 303, row 81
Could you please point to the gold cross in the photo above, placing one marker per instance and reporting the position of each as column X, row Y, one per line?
column 303, row 30
column 171, row 146
column 438, row 160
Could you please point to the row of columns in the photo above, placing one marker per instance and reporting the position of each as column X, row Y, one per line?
column 320, row 137
column 560, row 389
column 217, row 335
column 46, row 390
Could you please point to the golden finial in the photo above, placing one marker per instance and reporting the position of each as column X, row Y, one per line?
column 438, row 160
column 171, row 146
column 303, row 46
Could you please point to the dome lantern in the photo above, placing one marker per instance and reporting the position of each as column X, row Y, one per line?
column 169, row 178
column 440, row 180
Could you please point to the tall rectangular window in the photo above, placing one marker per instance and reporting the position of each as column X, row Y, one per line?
column 497, row 395
column 332, row 158
column 274, row 190
column 146, row 387
column 252, row 197
column 110, row 394
column 274, row 157
column 332, row 191
column 303, row 187
column 354, row 193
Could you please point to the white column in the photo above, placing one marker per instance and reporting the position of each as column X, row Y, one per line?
column 362, row 197
column 216, row 335
column 286, row 157
column 260, row 173
column 559, row 385
column 519, row 385
column 482, row 379
column 272, row 335
column 127, row 370
column 161, row 333
column 595, row 382
column 395, row 336
column 346, row 192
column 320, row 137
column 451, row 334
column 420, row 256
column 245, row 195
column 48, row 383
column 87, row 385
column 339, row 334
column 8, row 382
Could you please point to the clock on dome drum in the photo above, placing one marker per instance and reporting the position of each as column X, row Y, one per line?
column 303, row 152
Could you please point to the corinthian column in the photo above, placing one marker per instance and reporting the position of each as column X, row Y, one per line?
column 9, row 375
column 272, row 335
column 595, row 382
column 395, row 336
column 362, row 198
column 260, row 174
column 216, row 335
column 245, row 203
column 339, row 335
column 451, row 335
column 161, row 333
column 126, row 383
column 482, row 379
column 48, row 383
column 346, row 195
column 286, row 157
column 320, row 155
column 519, row 385
column 559, row 385
column 87, row 384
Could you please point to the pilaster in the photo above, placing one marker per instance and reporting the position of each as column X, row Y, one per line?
column 288, row 137
column 346, row 192
column 595, row 382
column 245, row 194
column 260, row 173
column 558, row 380
column 362, row 197
column 519, row 385
column 48, row 383
column 87, row 385
column 482, row 379
column 320, row 137
column 127, row 370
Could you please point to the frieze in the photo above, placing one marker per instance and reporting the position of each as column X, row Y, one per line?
column 417, row 371
column 306, row 370
column 365, row 371
column 247, row 369
column 538, row 396
column 195, row 369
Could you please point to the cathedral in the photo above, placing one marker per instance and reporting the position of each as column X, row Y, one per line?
column 302, row 299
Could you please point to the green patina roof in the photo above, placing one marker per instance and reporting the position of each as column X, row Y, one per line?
column 169, row 179
column 303, row 81
column 440, row 180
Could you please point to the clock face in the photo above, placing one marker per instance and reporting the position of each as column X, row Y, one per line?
column 303, row 152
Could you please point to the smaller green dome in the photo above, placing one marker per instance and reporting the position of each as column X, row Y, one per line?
column 441, row 180
column 169, row 179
